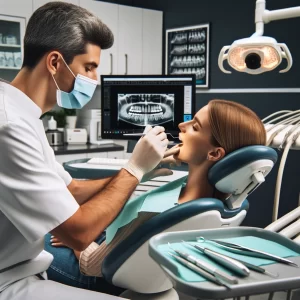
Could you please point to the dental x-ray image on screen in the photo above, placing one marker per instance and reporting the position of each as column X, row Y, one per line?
column 131, row 102
column 146, row 109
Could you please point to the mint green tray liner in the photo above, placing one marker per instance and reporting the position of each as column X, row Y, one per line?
column 248, row 241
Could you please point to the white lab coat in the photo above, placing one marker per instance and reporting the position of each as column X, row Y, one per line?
column 34, row 200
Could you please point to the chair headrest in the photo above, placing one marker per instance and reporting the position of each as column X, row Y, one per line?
column 241, row 171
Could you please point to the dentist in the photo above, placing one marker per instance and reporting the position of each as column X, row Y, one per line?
column 62, row 47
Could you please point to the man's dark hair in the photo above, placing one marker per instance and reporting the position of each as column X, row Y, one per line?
column 63, row 27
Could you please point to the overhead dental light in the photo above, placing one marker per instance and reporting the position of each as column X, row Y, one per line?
column 258, row 54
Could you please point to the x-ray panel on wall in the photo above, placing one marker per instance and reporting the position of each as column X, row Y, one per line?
column 187, row 52
column 146, row 109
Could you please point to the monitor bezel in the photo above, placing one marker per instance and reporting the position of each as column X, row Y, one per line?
column 120, row 137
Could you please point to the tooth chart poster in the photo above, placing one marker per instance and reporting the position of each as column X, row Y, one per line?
column 187, row 52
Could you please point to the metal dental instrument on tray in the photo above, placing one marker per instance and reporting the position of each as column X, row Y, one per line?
column 201, row 272
column 206, row 267
column 222, row 259
column 235, row 248
column 257, row 268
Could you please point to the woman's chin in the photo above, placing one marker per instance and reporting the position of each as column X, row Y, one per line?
column 179, row 155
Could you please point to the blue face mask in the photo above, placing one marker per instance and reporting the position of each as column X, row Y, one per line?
column 81, row 94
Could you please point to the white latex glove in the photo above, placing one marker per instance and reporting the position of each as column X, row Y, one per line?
column 148, row 152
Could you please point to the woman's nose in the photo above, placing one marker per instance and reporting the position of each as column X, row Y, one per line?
column 181, row 126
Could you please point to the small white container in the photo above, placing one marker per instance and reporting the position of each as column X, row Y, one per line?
column 52, row 124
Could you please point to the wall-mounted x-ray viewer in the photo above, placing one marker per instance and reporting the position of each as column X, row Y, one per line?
column 258, row 54
column 130, row 103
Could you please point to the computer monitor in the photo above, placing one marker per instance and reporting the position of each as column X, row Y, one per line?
column 129, row 103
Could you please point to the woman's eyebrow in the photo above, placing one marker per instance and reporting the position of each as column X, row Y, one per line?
column 198, row 121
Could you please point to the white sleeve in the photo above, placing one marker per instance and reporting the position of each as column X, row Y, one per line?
column 66, row 177
column 32, row 195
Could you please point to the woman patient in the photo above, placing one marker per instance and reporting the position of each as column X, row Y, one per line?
column 216, row 130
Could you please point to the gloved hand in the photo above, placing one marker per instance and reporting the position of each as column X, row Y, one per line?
column 168, row 159
column 148, row 152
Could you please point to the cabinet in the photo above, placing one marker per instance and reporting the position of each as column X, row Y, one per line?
column 130, row 33
column 12, row 30
column 108, row 14
column 16, row 8
column 38, row 3
column 152, row 42
column 138, row 38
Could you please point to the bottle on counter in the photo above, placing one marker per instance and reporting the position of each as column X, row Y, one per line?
column 54, row 136
column 52, row 124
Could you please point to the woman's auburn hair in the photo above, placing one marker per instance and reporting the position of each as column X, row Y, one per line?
column 234, row 125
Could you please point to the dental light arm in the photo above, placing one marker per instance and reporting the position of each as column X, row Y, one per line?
column 258, row 53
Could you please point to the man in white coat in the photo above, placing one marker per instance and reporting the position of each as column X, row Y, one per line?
column 62, row 48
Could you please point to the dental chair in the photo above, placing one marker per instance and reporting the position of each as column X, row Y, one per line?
column 129, row 266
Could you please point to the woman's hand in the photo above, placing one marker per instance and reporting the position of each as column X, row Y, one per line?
column 56, row 242
column 170, row 157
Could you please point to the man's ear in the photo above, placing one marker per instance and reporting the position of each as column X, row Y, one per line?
column 216, row 154
column 53, row 61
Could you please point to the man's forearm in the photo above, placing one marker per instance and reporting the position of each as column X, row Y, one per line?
column 83, row 190
column 103, row 207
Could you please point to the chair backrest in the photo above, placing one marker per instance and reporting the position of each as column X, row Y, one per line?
column 129, row 265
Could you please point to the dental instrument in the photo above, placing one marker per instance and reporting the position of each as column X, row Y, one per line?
column 142, row 134
column 257, row 268
column 235, row 248
column 222, row 259
column 196, row 269
column 206, row 267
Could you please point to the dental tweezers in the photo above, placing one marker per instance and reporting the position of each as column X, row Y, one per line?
column 252, row 252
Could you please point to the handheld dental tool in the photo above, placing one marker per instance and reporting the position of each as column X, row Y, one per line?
column 206, row 267
column 143, row 134
column 257, row 268
column 235, row 248
column 224, row 260
column 196, row 269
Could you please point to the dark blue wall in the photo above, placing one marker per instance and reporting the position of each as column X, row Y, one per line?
column 231, row 20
